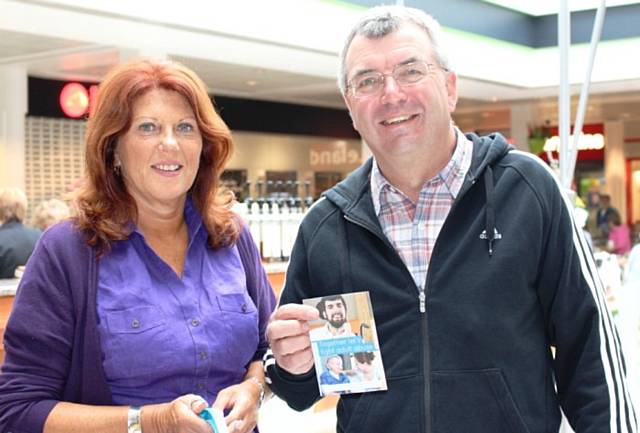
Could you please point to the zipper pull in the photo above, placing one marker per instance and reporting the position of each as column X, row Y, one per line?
column 422, row 297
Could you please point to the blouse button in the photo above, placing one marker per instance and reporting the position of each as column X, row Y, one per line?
column 135, row 323
column 244, row 308
column 195, row 322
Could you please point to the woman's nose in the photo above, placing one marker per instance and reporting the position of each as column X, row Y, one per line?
column 168, row 141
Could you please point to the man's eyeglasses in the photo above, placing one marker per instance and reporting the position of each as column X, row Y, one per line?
column 404, row 74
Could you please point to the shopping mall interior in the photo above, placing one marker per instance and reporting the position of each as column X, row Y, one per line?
column 271, row 69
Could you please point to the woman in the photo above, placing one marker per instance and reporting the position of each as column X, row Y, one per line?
column 16, row 240
column 365, row 366
column 50, row 212
column 151, row 302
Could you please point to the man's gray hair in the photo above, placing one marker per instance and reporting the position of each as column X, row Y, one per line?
column 379, row 21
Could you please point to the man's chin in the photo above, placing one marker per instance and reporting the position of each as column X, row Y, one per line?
column 337, row 324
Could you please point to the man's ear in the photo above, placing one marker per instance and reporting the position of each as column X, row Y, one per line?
column 451, row 81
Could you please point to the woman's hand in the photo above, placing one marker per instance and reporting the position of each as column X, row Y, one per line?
column 244, row 401
column 178, row 416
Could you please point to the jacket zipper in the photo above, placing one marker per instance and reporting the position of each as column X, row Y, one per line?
column 426, row 368
column 422, row 305
column 422, row 299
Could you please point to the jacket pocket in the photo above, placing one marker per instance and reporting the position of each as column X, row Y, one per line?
column 399, row 409
column 473, row 401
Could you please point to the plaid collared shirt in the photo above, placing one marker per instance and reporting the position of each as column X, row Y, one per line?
column 411, row 227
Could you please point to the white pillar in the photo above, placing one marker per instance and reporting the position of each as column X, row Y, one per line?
column 521, row 119
column 614, row 165
column 13, row 109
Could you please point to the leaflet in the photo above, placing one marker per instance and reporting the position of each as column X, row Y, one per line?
column 345, row 345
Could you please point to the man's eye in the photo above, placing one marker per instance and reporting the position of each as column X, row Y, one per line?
column 147, row 127
column 366, row 82
column 413, row 72
column 185, row 128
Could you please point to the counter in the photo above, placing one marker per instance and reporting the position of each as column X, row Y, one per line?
column 8, row 287
column 276, row 272
column 7, row 293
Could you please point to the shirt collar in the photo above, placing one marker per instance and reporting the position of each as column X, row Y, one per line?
column 451, row 175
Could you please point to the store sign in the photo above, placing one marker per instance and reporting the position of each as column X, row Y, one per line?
column 336, row 155
column 585, row 142
column 76, row 100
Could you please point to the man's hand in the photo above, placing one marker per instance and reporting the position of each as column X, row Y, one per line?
column 288, row 334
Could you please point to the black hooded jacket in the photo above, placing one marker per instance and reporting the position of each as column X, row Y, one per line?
column 510, row 277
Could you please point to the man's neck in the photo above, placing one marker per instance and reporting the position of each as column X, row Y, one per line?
column 409, row 173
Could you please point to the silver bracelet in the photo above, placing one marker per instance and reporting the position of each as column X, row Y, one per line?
column 134, row 424
column 261, row 386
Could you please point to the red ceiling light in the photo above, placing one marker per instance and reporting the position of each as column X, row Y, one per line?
column 74, row 100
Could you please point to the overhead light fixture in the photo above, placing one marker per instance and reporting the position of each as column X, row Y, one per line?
column 251, row 83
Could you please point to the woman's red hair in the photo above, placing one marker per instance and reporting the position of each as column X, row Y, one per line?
column 103, row 205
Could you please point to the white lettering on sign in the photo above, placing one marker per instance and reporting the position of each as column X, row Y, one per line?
column 332, row 157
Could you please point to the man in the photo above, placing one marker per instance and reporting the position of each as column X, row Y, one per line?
column 334, row 374
column 468, row 250
column 16, row 240
column 333, row 309
column 605, row 213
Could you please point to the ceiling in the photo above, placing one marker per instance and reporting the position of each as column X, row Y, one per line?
column 52, row 43
column 548, row 7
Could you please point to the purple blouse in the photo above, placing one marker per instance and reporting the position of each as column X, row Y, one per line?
column 163, row 335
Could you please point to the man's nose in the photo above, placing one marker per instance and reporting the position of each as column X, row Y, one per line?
column 392, row 92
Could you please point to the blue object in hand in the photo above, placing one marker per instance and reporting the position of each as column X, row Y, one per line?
column 215, row 419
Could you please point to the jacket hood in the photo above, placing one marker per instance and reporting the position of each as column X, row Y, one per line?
column 487, row 150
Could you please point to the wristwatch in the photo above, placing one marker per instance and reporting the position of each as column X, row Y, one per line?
column 133, row 420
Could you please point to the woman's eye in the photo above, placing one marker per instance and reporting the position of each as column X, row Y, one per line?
column 147, row 127
column 185, row 128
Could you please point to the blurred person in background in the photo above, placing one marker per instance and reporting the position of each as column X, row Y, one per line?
column 605, row 211
column 50, row 212
column 470, row 254
column 16, row 240
column 151, row 302
column 619, row 240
